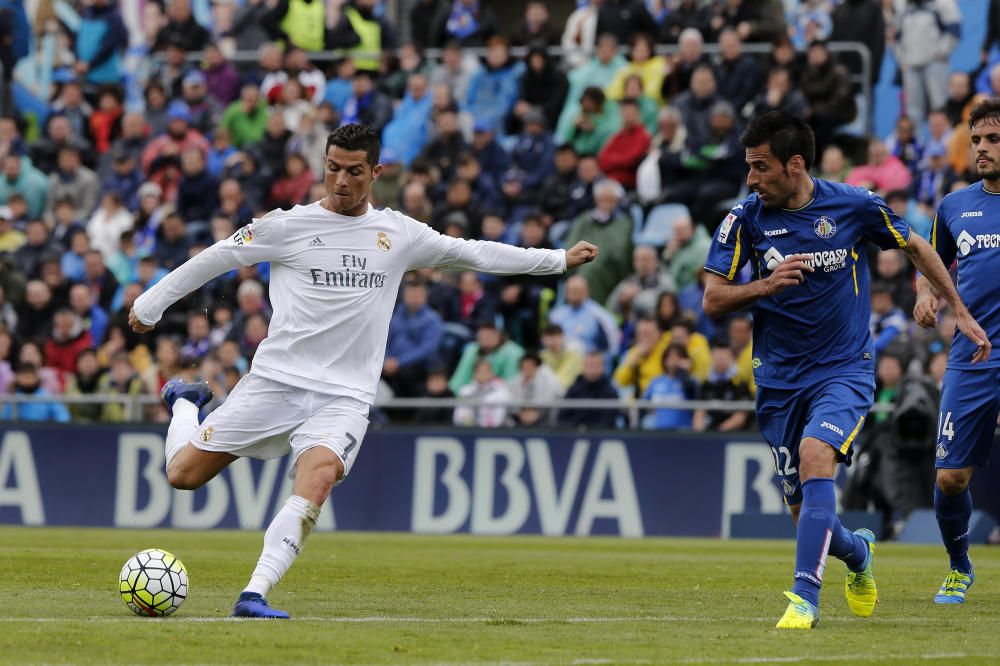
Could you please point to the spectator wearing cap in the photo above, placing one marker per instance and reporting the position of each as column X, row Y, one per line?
column 625, row 150
column 610, row 228
column 492, row 158
column 100, row 39
column 468, row 22
column 593, row 125
column 406, row 133
column 543, row 88
column 490, row 346
column 494, row 89
column 934, row 177
column 10, row 237
column 181, row 29
column 73, row 181
column 164, row 151
column 246, row 118
column 723, row 383
column 592, row 384
column 27, row 382
column 887, row 320
column 367, row 104
column 202, row 108
column 587, row 325
column 125, row 178
column 21, row 177
column 415, row 333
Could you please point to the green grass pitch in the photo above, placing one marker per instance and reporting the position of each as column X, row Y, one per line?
column 402, row 599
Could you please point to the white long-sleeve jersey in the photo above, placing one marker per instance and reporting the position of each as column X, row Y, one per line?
column 334, row 281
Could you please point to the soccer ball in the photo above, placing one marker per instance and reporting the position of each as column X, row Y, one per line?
column 153, row 583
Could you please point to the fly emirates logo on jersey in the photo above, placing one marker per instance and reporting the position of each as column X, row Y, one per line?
column 826, row 261
column 352, row 273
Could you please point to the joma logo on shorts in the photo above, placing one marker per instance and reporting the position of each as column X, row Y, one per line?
column 832, row 427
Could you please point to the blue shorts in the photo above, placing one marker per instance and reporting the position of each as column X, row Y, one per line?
column 832, row 411
column 970, row 402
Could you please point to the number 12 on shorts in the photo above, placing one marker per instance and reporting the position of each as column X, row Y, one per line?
column 946, row 427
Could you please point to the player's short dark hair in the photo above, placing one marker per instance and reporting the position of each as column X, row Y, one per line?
column 356, row 136
column 785, row 134
column 988, row 109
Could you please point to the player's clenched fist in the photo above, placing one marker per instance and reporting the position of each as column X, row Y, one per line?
column 925, row 311
column 789, row 273
column 137, row 325
column 581, row 253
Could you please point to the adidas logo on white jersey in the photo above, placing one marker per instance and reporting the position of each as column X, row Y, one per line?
column 316, row 242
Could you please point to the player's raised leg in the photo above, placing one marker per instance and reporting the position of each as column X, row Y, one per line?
column 188, row 467
column 318, row 469
column 953, row 508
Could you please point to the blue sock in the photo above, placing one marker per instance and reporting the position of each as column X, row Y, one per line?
column 848, row 547
column 817, row 523
column 953, row 513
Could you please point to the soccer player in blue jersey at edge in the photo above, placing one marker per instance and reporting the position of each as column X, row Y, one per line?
column 813, row 353
column 966, row 228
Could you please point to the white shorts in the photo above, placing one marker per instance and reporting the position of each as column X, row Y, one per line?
column 266, row 419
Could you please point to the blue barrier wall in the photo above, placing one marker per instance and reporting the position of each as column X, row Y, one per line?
column 427, row 481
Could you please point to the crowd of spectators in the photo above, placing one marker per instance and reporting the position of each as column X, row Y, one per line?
column 123, row 155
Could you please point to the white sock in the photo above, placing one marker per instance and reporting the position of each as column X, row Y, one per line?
column 182, row 427
column 283, row 541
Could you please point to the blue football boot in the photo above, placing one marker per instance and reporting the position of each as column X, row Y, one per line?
column 251, row 604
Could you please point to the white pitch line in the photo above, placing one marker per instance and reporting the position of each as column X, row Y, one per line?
column 497, row 621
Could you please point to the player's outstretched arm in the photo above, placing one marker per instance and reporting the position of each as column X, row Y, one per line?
column 722, row 296
column 934, row 272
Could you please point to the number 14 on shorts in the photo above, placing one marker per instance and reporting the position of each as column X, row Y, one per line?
column 946, row 427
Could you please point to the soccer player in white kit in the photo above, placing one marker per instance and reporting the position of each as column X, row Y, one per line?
column 336, row 266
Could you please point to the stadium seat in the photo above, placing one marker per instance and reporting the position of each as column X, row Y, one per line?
column 659, row 226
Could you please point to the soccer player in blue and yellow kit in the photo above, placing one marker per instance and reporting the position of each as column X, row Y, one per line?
column 966, row 228
column 813, row 353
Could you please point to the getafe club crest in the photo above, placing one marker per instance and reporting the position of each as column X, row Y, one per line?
column 383, row 243
column 941, row 452
column 825, row 227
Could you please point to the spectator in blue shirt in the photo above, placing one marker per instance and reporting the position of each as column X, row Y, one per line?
column 586, row 322
column 414, row 335
column 534, row 152
column 81, row 301
column 27, row 382
column 495, row 88
column 674, row 384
